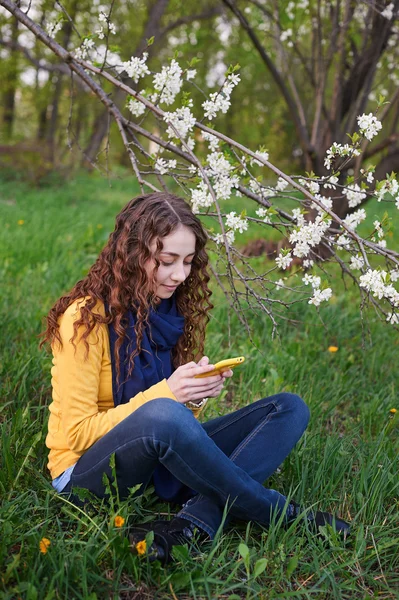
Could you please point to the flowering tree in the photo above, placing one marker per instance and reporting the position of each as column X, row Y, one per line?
column 227, row 168
column 329, row 62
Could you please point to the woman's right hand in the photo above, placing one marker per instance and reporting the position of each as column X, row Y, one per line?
column 188, row 389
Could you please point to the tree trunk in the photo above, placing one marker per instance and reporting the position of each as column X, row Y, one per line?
column 10, row 85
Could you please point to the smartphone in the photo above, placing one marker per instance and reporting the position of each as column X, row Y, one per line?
column 223, row 365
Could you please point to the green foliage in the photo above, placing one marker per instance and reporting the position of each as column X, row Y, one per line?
column 347, row 461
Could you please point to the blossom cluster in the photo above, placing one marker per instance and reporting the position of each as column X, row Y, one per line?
column 354, row 219
column 84, row 49
column 356, row 262
column 220, row 101
column 262, row 154
column 308, row 233
column 53, row 28
column 339, row 150
column 136, row 108
column 182, row 120
column 389, row 186
column 369, row 125
column 354, row 195
column 219, row 170
column 168, row 83
column 201, row 197
column 236, row 222
column 319, row 295
column 284, row 260
column 377, row 282
column 164, row 166
column 135, row 67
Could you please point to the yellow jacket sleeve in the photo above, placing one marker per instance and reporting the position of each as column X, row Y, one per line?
column 79, row 379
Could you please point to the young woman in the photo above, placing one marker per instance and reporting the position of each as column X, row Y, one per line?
column 127, row 345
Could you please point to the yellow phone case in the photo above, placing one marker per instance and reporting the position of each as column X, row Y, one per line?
column 223, row 365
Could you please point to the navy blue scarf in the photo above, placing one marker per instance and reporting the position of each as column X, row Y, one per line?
column 154, row 363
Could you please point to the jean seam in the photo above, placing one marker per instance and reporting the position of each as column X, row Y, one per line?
column 198, row 522
column 116, row 449
column 227, row 424
column 253, row 434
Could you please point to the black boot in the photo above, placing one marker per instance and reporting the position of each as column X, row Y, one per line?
column 316, row 519
column 167, row 534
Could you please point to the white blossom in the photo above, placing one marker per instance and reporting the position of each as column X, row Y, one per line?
column 324, row 201
column 313, row 280
column 53, row 28
column 201, row 197
column 135, row 67
column 356, row 262
column 285, row 35
column 393, row 318
column 283, row 261
column 100, row 33
column 389, row 186
column 102, row 17
column 190, row 74
column 354, row 195
column 219, row 170
column 164, row 166
column 379, row 229
column 182, row 119
column 388, row 11
column 308, row 234
column 230, row 237
column 82, row 52
column 369, row 125
column 220, row 101
column 136, row 108
column 212, row 140
column 344, row 241
column 320, row 296
column 281, row 184
column 236, row 222
column 331, row 181
column 280, row 283
column 355, row 218
column 263, row 213
column 339, row 150
column 262, row 154
column 168, row 82
column 394, row 275
column 374, row 281
column 308, row 263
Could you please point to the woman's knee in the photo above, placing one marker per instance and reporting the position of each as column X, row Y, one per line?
column 164, row 413
column 294, row 404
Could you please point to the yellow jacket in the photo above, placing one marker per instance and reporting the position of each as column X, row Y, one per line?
column 82, row 410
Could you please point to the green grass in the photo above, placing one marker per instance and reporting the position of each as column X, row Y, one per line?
column 347, row 461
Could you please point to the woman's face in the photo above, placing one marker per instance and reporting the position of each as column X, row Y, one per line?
column 175, row 261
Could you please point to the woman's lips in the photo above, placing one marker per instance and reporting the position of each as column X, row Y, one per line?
column 170, row 287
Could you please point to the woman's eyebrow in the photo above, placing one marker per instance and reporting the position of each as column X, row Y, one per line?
column 174, row 254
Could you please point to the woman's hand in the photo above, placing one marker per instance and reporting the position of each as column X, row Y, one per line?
column 188, row 389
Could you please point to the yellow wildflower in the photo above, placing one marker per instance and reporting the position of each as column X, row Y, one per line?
column 44, row 544
column 21, row 222
column 333, row 348
column 141, row 547
column 393, row 411
column 99, row 226
column 119, row 521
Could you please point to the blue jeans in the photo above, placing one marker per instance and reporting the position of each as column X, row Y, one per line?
column 224, row 460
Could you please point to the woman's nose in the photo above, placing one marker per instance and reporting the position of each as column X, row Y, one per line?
column 179, row 273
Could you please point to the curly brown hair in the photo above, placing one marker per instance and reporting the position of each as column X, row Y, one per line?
column 119, row 279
